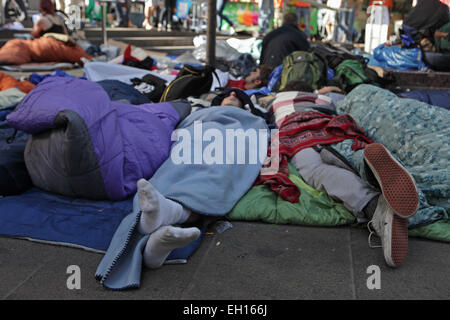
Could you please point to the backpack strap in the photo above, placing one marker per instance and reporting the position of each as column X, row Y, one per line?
column 11, row 138
column 217, row 77
column 325, row 64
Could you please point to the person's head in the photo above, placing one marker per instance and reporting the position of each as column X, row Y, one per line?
column 258, row 78
column 238, row 98
column 298, row 86
column 232, row 100
column 290, row 18
column 232, row 97
column 47, row 7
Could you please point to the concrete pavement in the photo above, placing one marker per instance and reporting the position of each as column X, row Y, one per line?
column 251, row 261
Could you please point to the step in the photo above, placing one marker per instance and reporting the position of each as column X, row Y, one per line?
column 420, row 80
column 135, row 32
column 148, row 41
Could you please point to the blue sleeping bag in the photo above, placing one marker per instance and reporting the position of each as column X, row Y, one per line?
column 14, row 177
column 433, row 97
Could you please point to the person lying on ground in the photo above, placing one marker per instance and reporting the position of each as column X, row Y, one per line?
column 384, row 204
column 49, row 22
column 282, row 41
column 382, row 193
column 166, row 207
column 160, row 214
column 305, row 87
column 256, row 79
column 376, row 199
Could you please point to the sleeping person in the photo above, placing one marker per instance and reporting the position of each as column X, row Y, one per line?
column 213, row 162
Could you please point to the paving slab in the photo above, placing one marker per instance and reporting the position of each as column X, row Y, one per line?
column 424, row 274
column 251, row 261
column 263, row 261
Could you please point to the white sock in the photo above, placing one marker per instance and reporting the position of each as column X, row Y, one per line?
column 164, row 240
column 157, row 210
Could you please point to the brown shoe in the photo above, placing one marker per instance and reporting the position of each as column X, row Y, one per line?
column 397, row 185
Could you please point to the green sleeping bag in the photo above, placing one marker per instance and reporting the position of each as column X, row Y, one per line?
column 314, row 208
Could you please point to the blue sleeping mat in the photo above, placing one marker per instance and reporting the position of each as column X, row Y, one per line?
column 49, row 217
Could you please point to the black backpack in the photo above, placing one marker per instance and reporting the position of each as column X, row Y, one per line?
column 190, row 81
column 334, row 56
column 150, row 86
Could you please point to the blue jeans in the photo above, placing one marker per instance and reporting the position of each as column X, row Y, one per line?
column 304, row 12
column 265, row 14
column 220, row 16
column 345, row 25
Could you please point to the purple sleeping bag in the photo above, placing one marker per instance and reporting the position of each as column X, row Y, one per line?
column 85, row 145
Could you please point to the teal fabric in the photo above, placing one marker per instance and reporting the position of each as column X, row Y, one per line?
column 417, row 135
column 10, row 97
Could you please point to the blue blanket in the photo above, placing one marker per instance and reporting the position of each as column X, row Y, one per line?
column 209, row 189
column 49, row 217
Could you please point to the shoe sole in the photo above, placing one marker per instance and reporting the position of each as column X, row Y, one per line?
column 395, row 240
column 397, row 185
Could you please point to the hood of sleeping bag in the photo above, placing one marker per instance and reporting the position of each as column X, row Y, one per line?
column 241, row 95
column 85, row 145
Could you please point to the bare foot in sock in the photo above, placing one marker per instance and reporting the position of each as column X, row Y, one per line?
column 164, row 240
column 157, row 210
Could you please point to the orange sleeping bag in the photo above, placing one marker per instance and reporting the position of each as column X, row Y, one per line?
column 18, row 52
column 8, row 82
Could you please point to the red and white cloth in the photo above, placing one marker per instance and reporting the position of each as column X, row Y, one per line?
column 288, row 102
column 301, row 130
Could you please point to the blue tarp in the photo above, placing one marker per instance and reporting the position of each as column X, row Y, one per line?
column 399, row 58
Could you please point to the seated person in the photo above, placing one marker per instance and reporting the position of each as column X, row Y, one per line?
column 282, row 41
column 49, row 22
column 424, row 20
column 256, row 79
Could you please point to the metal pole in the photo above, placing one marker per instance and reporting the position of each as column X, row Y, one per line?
column 211, row 34
column 104, row 17
column 2, row 13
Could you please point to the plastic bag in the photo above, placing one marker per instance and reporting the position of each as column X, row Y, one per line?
column 223, row 51
column 399, row 58
column 242, row 66
column 252, row 46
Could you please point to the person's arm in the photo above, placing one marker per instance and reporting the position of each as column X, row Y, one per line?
column 37, row 29
column 326, row 90
column 439, row 34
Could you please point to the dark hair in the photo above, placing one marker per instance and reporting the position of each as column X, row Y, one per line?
column 47, row 6
column 264, row 74
column 290, row 18
column 298, row 86
column 241, row 95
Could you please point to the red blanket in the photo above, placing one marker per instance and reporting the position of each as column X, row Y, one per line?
column 7, row 82
column 301, row 130
column 18, row 51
